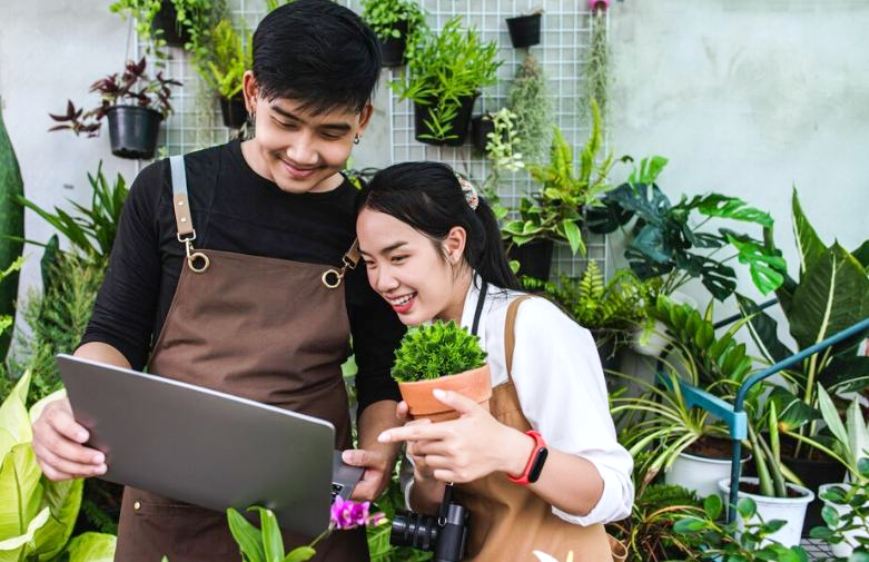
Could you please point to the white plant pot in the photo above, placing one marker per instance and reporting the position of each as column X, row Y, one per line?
column 843, row 549
column 700, row 474
column 791, row 510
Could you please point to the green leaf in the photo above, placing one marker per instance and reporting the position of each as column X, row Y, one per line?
column 300, row 554
column 689, row 525
column 574, row 236
column 20, row 491
column 713, row 505
column 273, row 542
column 746, row 508
column 833, row 295
column 717, row 205
column 861, row 254
column 14, row 421
column 63, row 500
column 93, row 547
column 809, row 245
column 247, row 536
column 831, row 416
column 16, row 545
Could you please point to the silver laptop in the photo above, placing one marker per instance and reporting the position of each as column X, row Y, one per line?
column 208, row 448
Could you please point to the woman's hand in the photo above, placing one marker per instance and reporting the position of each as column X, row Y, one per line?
column 469, row 448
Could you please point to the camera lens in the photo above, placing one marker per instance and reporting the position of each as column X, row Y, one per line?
column 414, row 529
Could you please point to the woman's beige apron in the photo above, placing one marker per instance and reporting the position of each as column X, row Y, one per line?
column 271, row 330
column 508, row 521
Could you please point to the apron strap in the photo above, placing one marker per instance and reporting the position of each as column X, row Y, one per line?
column 196, row 261
column 509, row 335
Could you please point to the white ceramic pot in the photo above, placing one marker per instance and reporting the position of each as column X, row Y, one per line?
column 700, row 474
column 791, row 510
column 843, row 549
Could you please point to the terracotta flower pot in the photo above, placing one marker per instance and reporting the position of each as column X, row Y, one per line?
column 476, row 384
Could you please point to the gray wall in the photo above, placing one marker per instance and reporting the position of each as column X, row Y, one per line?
column 745, row 97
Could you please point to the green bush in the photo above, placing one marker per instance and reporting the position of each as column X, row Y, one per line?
column 430, row 352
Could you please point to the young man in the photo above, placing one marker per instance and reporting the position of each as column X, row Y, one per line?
column 237, row 283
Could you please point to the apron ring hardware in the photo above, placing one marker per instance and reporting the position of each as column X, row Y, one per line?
column 332, row 278
column 194, row 258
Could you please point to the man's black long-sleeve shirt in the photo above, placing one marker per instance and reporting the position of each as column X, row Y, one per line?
column 235, row 210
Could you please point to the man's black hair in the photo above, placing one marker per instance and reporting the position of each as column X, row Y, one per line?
column 316, row 52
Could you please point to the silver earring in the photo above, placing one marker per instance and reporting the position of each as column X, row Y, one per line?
column 356, row 139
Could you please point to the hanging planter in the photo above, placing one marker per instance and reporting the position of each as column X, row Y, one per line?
column 525, row 30
column 534, row 257
column 134, row 105
column 133, row 131
column 166, row 22
column 595, row 5
column 392, row 48
column 451, row 130
column 234, row 111
column 481, row 126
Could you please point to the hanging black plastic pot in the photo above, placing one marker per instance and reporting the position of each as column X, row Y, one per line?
column 524, row 30
column 392, row 50
column 133, row 131
column 534, row 257
column 234, row 111
column 457, row 128
column 166, row 20
column 481, row 126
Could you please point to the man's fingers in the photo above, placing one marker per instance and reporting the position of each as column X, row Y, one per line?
column 362, row 457
column 65, row 468
column 402, row 412
column 51, row 473
column 458, row 402
column 61, row 421
column 70, row 451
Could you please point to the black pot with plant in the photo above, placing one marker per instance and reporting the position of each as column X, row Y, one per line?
column 525, row 30
column 134, row 104
column 481, row 127
column 444, row 77
column 397, row 24
column 234, row 111
column 223, row 69
column 534, row 257
column 166, row 22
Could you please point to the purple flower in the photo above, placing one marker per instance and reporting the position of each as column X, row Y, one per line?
column 347, row 514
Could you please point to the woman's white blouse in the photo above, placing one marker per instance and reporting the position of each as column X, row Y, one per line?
column 559, row 380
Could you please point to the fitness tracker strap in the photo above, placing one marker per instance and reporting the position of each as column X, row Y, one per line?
column 535, row 463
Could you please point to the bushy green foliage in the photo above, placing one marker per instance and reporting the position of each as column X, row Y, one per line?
column 529, row 100
column 231, row 56
column 384, row 16
column 711, row 540
column 556, row 211
column 855, row 499
column 436, row 350
column 445, row 67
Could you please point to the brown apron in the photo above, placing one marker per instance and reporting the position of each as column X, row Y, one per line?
column 509, row 522
column 271, row 330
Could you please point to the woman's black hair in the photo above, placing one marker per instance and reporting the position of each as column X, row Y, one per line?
column 316, row 52
column 428, row 197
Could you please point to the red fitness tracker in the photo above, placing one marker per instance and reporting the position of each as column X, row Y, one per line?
column 534, row 466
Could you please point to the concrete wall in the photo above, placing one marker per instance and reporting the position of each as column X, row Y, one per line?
column 745, row 97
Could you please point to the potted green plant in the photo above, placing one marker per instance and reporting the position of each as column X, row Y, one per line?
column 597, row 72
column 666, row 240
column 397, row 23
column 444, row 78
column 166, row 22
column 440, row 356
column 528, row 99
column 525, row 30
column 134, row 105
column 826, row 297
column 555, row 212
column 851, row 448
column 481, row 127
column 231, row 56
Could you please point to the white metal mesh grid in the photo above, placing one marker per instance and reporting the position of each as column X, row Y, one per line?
column 565, row 36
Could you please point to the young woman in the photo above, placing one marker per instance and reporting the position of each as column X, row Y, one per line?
column 432, row 249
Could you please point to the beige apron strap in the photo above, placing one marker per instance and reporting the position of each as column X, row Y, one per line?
column 509, row 329
column 332, row 277
column 196, row 261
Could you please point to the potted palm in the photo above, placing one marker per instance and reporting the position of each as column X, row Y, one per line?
column 134, row 105
column 440, row 356
column 555, row 212
column 525, row 30
column 397, row 23
column 444, row 78
column 231, row 56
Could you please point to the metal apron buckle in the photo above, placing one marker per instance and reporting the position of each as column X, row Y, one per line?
column 192, row 256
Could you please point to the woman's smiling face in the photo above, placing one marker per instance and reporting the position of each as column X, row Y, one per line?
column 415, row 274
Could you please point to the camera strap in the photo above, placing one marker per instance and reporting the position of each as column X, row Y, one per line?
column 481, row 300
column 444, row 509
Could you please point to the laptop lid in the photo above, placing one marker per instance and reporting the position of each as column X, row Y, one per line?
column 208, row 448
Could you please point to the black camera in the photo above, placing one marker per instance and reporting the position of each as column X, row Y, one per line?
column 445, row 534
